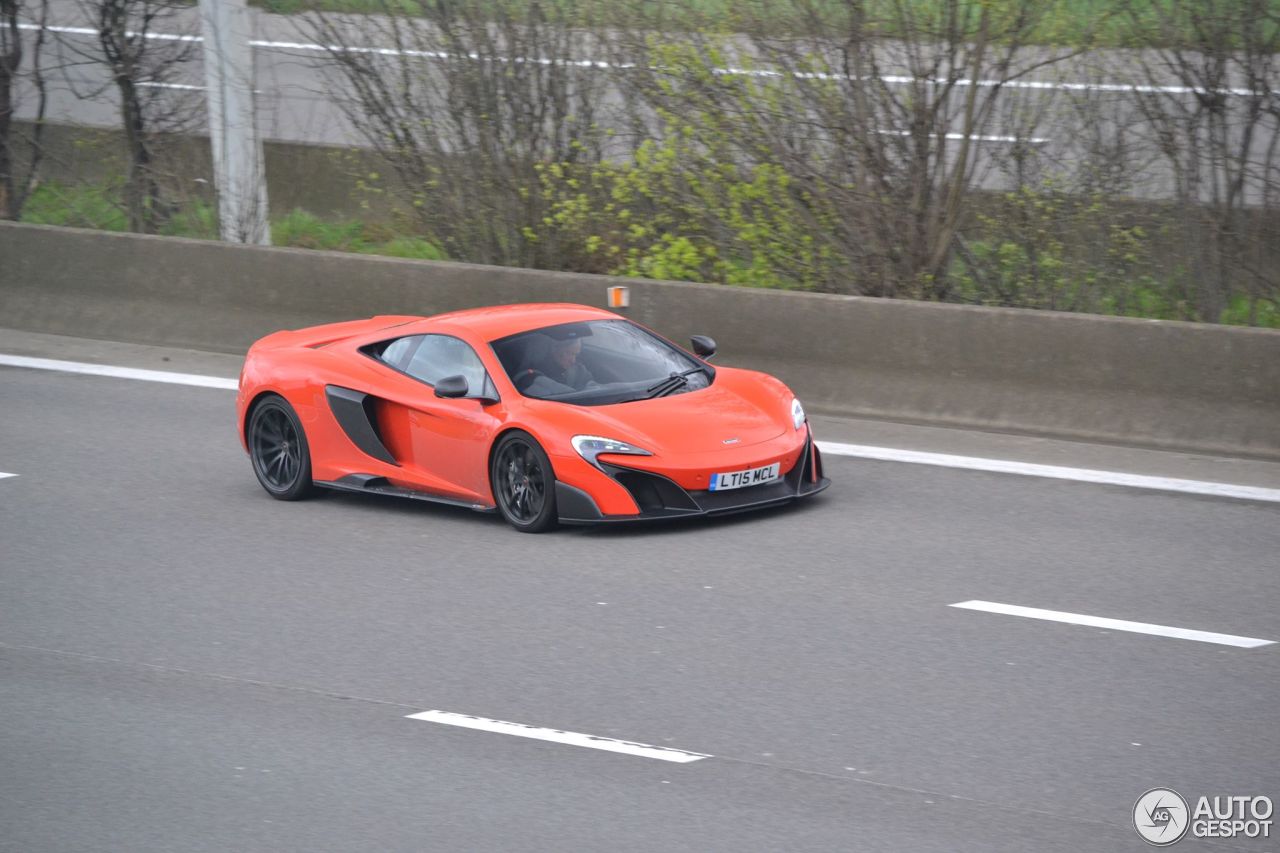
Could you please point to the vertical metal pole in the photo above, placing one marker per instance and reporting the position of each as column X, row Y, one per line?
column 237, row 152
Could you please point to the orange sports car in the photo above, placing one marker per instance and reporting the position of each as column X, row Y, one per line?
column 544, row 413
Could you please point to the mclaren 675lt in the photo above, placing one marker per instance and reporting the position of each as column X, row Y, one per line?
column 544, row 413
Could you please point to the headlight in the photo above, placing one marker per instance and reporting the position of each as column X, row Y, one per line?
column 591, row 446
column 797, row 413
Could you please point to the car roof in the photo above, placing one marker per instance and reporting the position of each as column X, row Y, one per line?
column 499, row 321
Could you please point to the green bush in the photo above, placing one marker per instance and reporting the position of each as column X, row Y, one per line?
column 688, row 208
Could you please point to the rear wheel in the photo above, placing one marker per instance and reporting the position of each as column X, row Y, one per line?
column 524, row 485
column 278, row 449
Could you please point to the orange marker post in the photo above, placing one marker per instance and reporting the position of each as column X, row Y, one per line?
column 619, row 296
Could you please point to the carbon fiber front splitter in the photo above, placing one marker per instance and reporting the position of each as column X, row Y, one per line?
column 659, row 498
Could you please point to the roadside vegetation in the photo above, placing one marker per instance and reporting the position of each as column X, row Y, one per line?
column 847, row 151
column 1047, row 277
column 101, row 206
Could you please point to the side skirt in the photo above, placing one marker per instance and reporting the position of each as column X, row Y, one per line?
column 370, row 484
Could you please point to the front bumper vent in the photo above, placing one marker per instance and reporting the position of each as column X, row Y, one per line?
column 660, row 497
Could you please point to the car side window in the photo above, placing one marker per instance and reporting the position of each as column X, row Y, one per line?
column 438, row 356
column 398, row 350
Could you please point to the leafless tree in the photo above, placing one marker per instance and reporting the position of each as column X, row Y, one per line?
column 1212, row 104
column 143, row 46
column 886, row 132
column 18, row 180
column 465, row 102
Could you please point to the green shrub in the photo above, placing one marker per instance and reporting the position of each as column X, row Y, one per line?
column 687, row 207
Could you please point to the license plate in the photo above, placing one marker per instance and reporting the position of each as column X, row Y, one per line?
column 750, row 477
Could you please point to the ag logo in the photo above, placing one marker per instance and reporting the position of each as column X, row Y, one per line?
column 1161, row 816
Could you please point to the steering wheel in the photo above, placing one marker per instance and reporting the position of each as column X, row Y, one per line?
column 526, row 379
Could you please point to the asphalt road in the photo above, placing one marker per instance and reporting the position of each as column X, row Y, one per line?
column 189, row 665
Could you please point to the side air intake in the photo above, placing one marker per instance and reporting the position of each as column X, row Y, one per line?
column 355, row 414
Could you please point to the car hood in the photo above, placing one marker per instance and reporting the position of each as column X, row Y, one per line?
column 740, row 408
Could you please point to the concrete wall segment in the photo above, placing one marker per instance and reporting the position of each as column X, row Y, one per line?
column 1148, row 382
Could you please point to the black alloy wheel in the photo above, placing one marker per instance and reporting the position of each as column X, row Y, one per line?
column 524, row 483
column 278, row 448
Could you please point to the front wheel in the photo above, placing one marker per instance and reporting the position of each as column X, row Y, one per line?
column 524, row 485
column 278, row 449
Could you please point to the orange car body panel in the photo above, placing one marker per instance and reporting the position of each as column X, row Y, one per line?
column 742, row 420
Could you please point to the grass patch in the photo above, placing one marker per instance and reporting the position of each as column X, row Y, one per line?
column 100, row 207
column 197, row 219
column 76, row 207
column 302, row 230
column 1237, row 313
column 409, row 247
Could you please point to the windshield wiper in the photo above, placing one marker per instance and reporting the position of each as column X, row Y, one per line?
column 671, row 383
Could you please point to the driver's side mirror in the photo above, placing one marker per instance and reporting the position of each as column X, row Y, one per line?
column 452, row 386
column 703, row 347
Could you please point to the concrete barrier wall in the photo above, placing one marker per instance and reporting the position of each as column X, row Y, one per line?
column 1155, row 383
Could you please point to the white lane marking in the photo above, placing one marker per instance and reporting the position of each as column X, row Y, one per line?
column 1028, row 140
column 863, row 451
column 892, row 79
column 3, row 475
column 88, row 31
column 1114, row 624
column 186, row 87
column 1057, row 472
column 466, row 721
column 119, row 372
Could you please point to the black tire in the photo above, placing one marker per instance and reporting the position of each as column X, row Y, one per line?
column 278, row 449
column 523, row 483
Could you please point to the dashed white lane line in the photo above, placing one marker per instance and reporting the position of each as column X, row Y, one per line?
column 1057, row 472
column 644, row 750
column 1115, row 624
column 119, row 372
column 3, row 475
column 862, row 451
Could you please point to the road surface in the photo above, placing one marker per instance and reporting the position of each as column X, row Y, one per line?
column 188, row 665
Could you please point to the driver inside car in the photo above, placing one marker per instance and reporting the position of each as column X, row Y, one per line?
column 561, row 364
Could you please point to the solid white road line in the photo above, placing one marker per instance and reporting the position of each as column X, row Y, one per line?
column 119, row 372
column 1057, row 472
column 607, row 744
column 1029, row 140
column 1114, row 624
column 186, row 87
column 834, row 448
column 728, row 72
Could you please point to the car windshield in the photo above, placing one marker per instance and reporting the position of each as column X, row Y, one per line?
column 598, row 362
